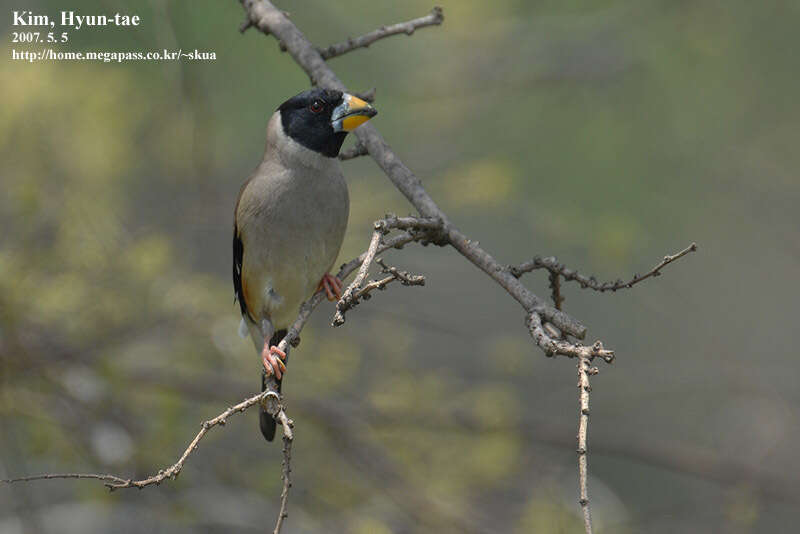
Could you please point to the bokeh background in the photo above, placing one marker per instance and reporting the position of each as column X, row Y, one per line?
column 607, row 133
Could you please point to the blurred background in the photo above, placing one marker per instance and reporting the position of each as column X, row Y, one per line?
column 607, row 133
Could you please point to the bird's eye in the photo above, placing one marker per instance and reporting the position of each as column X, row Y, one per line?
column 316, row 106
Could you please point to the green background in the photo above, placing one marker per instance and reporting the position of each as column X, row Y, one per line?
column 606, row 133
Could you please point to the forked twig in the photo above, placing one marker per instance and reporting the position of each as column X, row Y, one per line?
column 424, row 228
column 551, row 264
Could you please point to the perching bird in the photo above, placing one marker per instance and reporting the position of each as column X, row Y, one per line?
column 290, row 220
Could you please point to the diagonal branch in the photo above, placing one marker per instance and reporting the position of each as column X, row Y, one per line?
column 559, row 269
column 434, row 18
column 113, row 482
column 271, row 20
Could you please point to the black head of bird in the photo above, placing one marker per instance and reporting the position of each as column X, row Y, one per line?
column 290, row 220
column 319, row 119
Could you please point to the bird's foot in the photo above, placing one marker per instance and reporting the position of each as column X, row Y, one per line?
column 272, row 358
column 332, row 286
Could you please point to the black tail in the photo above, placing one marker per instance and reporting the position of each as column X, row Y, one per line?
column 265, row 420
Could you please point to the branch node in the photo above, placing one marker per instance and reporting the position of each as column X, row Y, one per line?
column 355, row 292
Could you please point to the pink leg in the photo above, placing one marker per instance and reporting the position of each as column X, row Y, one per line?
column 272, row 356
column 332, row 286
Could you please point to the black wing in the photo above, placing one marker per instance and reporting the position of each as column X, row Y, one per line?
column 238, row 252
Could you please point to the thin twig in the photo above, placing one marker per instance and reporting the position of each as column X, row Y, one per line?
column 395, row 275
column 286, row 468
column 404, row 277
column 113, row 482
column 49, row 476
column 398, row 242
column 434, row 18
column 551, row 264
column 584, row 370
column 354, row 291
column 346, row 302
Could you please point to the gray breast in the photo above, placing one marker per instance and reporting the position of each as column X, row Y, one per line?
column 294, row 221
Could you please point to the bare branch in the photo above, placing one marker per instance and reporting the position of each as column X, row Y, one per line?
column 50, row 476
column 286, row 468
column 113, row 482
column 391, row 222
column 398, row 242
column 404, row 277
column 351, row 153
column 270, row 20
column 351, row 296
column 434, row 18
column 559, row 269
column 552, row 346
column 347, row 300
column 395, row 275
column 584, row 370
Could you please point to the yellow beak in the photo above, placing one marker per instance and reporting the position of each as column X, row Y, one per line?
column 351, row 113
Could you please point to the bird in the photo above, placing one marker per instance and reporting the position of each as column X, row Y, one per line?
column 290, row 220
